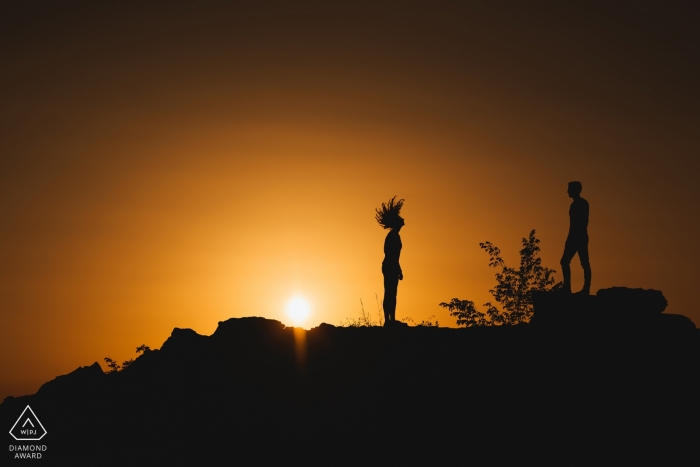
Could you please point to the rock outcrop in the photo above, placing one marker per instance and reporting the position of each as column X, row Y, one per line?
column 614, row 309
column 562, row 390
column 625, row 299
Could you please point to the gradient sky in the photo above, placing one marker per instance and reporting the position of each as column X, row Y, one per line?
column 175, row 164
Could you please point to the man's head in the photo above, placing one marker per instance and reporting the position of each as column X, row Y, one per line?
column 574, row 190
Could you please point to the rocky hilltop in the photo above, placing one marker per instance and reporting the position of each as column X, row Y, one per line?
column 607, row 379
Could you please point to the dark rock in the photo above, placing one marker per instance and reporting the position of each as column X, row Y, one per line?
column 558, row 307
column 624, row 299
column 240, row 396
column 616, row 308
column 673, row 322
column 325, row 327
column 181, row 338
column 83, row 379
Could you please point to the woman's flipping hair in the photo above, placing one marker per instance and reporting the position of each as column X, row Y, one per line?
column 388, row 215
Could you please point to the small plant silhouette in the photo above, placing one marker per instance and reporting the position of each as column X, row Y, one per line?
column 365, row 319
column 114, row 367
column 431, row 322
column 513, row 289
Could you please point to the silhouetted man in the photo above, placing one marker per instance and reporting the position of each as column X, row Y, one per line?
column 577, row 241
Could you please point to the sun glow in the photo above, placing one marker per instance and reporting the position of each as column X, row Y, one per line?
column 298, row 310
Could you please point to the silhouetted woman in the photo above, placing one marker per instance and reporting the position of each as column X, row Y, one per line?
column 388, row 217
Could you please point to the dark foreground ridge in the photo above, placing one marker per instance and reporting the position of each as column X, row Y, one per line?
column 592, row 380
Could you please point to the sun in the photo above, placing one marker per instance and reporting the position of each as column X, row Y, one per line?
column 298, row 310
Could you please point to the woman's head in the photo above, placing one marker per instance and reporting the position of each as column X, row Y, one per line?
column 388, row 215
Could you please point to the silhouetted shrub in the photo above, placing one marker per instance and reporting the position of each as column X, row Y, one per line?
column 513, row 289
column 114, row 367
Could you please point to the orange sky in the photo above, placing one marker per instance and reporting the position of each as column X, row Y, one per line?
column 173, row 166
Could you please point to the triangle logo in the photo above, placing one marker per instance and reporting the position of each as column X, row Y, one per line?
column 28, row 427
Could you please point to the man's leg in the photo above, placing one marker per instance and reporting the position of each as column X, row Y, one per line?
column 585, row 263
column 569, row 252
